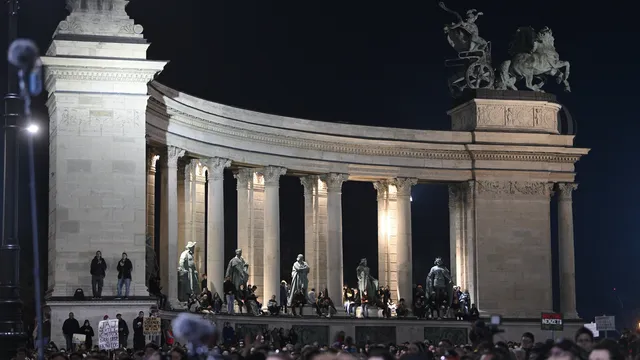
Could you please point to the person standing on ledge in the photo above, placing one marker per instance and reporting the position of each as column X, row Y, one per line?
column 98, row 272
column 124, row 275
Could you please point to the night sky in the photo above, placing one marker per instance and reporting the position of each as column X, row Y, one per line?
column 381, row 63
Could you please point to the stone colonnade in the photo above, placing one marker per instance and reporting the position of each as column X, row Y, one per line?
column 259, row 227
column 259, row 224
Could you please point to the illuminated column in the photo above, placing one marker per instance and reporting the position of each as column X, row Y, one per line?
column 152, row 158
column 334, row 241
column 272, row 232
column 387, row 236
column 566, row 250
column 470, row 240
column 456, row 238
column 315, row 234
column 404, row 239
column 215, row 224
column 173, row 154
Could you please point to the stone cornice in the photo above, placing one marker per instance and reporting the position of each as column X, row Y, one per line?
column 366, row 147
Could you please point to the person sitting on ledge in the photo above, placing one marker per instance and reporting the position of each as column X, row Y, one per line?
column 420, row 308
column 357, row 301
column 326, row 304
column 252, row 304
column 298, row 301
column 216, row 303
column 401, row 309
column 273, row 307
column 364, row 300
column 241, row 298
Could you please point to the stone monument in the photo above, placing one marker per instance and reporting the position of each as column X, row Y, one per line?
column 238, row 270
column 439, row 284
column 366, row 282
column 188, row 282
column 96, row 76
column 299, row 279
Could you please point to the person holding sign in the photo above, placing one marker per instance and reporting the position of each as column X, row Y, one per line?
column 70, row 327
column 138, row 332
column 87, row 330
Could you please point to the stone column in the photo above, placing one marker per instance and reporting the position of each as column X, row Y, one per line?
column 184, row 202
column 470, row 265
column 456, row 238
column 387, row 236
column 173, row 154
column 244, row 182
column 315, row 234
column 198, row 221
column 215, row 224
column 334, row 242
column 566, row 250
column 404, row 239
column 152, row 158
column 272, row 232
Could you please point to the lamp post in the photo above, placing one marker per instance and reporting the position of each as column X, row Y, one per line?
column 12, row 334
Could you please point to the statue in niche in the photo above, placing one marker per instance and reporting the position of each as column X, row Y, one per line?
column 188, row 282
column 238, row 270
column 299, row 279
column 366, row 282
column 439, row 284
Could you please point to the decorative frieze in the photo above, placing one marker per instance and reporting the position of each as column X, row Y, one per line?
column 95, row 74
column 510, row 188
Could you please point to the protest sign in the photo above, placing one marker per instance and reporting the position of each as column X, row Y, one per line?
column 79, row 338
column 151, row 326
column 108, row 334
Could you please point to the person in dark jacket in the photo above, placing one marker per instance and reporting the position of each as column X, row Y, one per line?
column 87, row 330
column 123, row 331
column 70, row 327
column 229, row 294
column 98, row 271
column 228, row 334
column 284, row 296
column 124, row 275
column 138, row 332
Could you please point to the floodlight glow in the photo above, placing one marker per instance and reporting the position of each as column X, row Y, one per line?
column 33, row 128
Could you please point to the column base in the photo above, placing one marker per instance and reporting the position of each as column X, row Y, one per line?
column 571, row 315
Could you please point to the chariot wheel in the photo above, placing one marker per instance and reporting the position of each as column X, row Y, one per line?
column 480, row 76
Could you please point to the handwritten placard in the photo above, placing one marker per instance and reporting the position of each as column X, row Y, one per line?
column 79, row 338
column 151, row 326
column 108, row 334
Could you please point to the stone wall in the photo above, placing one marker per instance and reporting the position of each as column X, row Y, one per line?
column 513, row 246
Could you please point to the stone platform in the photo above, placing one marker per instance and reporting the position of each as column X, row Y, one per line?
column 379, row 330
column 94, row 311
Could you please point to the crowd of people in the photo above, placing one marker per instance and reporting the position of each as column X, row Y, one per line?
column 277, row 344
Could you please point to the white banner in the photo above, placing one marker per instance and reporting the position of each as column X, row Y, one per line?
column 108, row 334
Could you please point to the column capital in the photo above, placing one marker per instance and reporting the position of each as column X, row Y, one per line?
column 216, row 167
column 309, row 182
column 334, row 181
column 456, row 192
column 382, row 187
column 565, row 191
column 243, row 176
column 403, row 185
column 152, row 157
column 272, row 175
column 173, row 154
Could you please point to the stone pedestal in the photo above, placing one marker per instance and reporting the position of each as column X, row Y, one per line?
column 215, row 224
column 566, row 252
column 272, row 232
column 506, row 115
column 316, row 231
column 97, row 172
column 387, row 236
column 335, row 264
column 250, row 186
